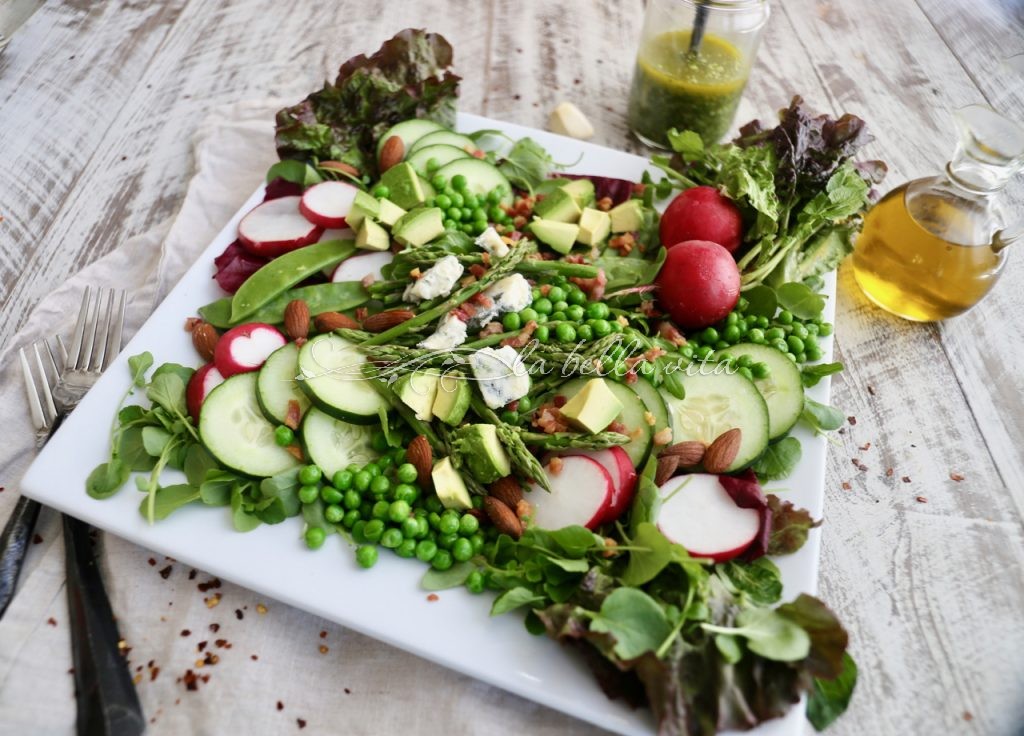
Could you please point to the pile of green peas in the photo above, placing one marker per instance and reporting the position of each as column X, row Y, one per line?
column 462, row 209
column 798, row 339
column 380, row 504
column 571, row 316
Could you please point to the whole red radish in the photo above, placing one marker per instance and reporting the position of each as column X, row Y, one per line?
column 246, row 347
column 203, row 381
column 699, row 284
column 702, row 213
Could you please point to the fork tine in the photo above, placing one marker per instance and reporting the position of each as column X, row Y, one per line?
column 44, row 386
column 102, row 335
column 85, row 355
column 115, row 324
column 34, row 407
column 78, row 339
column 62, row 348
column 51, row 362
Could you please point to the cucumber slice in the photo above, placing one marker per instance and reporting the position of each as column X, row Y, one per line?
column 330, row 373
column 633, row 416
column 234, row 430
column 409, row 131
column 715, row 403
column 783, row 390
column 444, row 137
column 442, row 153
column 653, row 401
column 481, row 177
column 332, row 443
column 276, row 384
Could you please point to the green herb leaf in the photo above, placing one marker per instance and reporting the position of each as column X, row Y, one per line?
column 762, row 300
column 131, row 450
column 284, row 487
column 830, row 698
column 800, row 300
column 453, row 577
column 812, row 374
column 778, row 459
column 242, row 520
column 821, row 417
column 623, row 272
column 575, row 541
column 107, row 479
column 154, row 440
column 790, row 526
column 635, row 620
column 169, row 499
column 138, row 365
column 651, row 553
column 527, row 164
column 771, row 635
column 686, row 143
column 168, row 390
column 181, row 371
column 514, row 598
column 760, row 580
column 297, row 172
column 198, row 462
column 216, row 488
column 729, row 648
column 646, row 503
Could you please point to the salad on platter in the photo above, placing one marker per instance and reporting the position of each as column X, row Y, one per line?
column 438, row 346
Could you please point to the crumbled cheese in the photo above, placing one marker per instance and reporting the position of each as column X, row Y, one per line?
column 500, row 374
column 511, row 294
column 438, row 280
column 450, row 333
column 491, row 242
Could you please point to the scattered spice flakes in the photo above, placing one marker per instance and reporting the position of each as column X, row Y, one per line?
column 852, row 421
column 51, row 621
column 846, row 486
column 222, row 644
column 254, row 657
column 238, row 614
column 192, row 574
column 214, row 628
column 301, row 722
column 280, row 705
column 261, row 609
column 137, row 679
column 905, row 479
column 210, row 584
column 921, row 499
column 889, row 472
column 166, row 572
column 347, row 691
column 956, row 476
column 871, row 390
column 433, row 597
column 968, row 716
column 191, row 680
column 324, row 649
column 213, row 601
column 153, row 672
column 323, row 634
column 201, row 646
column 37, row 539
column 186, row 632
column 865, row 447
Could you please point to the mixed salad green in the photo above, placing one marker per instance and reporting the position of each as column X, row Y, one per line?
column 435, row 344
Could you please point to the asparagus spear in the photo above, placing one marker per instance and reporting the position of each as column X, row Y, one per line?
column 573, row 440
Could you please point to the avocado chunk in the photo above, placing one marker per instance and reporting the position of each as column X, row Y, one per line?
column 628, row 216
column 558, row 206
column 419, row 226
column 559, row 235
column 594, row 226
column 389, row 213
column 372, row 236
column 593, row 408
column 484, row 455
column 363, row 206
column 417, row 390
column 449, row 486
column 404, row 186
column 452, row 401
column 581, row 190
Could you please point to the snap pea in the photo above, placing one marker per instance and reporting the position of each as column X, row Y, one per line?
column 337, row 297
column 284, row 272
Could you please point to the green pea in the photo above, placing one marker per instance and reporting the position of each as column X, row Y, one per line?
column 780, row 344
column 813, row 353
column 556, row 294
column 477, row 540
column 425, row 550
column 349, row 520
column 380, row 191
column 475, row 582
column 494, row 196
column 615, row 326
column 373, row 530
column 406, row 492
column 399, row 511
column 825, row 329
column 380, row 509
column 785, row 317
column 315, row 537
column 457, row 200
column 462, row 550
column 512, row 321
column 731, row 334
column 406, row 473
column 468, row 525
column 757, row 336
column 559, row 305
column 796, row 345
column 557, row 317
column 542, row 305
column 709, row 336
column 366, row 556
column 450, row 224
column 351, row 499
column 760, row 370
column 477, row 213
column 575, row 312
column 309, row 475
column 361, row 481
column 454, row 213
column 334, row 513
column 284, row 436
column 443, row 201
column 309, row 494
column 799, row 331
column 391, row 538
column 459, row 182
column 600, row 326
column 542, row 318
column 330, row 494
column 442, row 560
column 358, row 528
column 746, row 373
column 597, row 310
column 434, row 505
column 410, row 527
column 494, row 212
column 406, row 549
column 449, row 523
column 446, row 541
column 525, row 405
column 380, row 485
column 542, row 333
column 585, row 332
column 528, row 315
column 509, row 417
column 801, row 357
column 342, row 480
column 535, row 294
column 576, row 296
column 774, row 333
column 702, row 351
column 373, row 469
column 812, row 328
column 366, row 510
column 438, row 182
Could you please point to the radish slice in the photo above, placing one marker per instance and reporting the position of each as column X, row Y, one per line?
column 359, row 267
column 327, row 204
column 623, row 475
column 580, row 493
column 276, row 227
column 698, row 513
column 203, row 381
column 245, row 348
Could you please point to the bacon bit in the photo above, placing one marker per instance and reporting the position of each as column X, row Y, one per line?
column 617, row 426
column 846, row 486
column 545, row 289
column 166, row 572
column 604, row 204
column 261, row 609
column 555, row 465
column 650, row 309
column 324, row 649
column 653, row 354
column 415, row 273
column 921, row 499
column 663, row 437
column 905, row 479
column 549, row 419
column 191, row 322
column 631, row 377
column 482, row 300
column 433, row 597
column 367, row 280
column 213, row 601
column 956, row 476
column 650, row 419
column 485, row 258
column 492, row 328
column 477, row 270
column 559, row 401
column 852, row 421
column 296, row 452
column 624, row 243
column 639, row 188
column 361, row 313
column 593, row 287
column 524, row 336
column 518, row 221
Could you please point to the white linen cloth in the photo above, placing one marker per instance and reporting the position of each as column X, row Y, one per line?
column 277, row 669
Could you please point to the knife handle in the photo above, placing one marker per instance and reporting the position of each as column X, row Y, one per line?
column 14, row 542
column 104, row 691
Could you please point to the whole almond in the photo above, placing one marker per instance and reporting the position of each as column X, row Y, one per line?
column 507, row 491
column 667, row 466
column 421, row 457
column 386, row 320
column 687, row 453
column 722, row 452
column 340, row 166
column 331, row 321
column 503, row 518
column 296, row 319
column 392, row 153
column 204, row 339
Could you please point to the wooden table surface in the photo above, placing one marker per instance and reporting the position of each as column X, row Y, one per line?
column 98, row 102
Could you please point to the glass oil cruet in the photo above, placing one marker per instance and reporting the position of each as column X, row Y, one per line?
column 933, row 248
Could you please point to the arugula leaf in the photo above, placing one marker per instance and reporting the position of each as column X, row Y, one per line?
column 830, row 698
column 297, row 172
column 283, row 489
column 821, row 417
column 812, row 374
column 131, row 449
column 635, row 620
column 778, row 459
column 453, row 577
column 575, row 541
column 168, row 390
column 514, row 598
column 527, row 164
column 800, row 300
column 169, row 499
column 241, row 519
column 107, row 479
column 651, row 553
column 154, row 440
column 138, row 365
column 198, row 462
column 687, row 144
column 790, row 526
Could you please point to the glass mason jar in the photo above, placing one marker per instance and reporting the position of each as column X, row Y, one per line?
column 934, row 247
column 692, row 66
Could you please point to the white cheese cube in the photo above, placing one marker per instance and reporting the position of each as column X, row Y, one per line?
column 500, row 374
column 491, row 242
column 438, row 280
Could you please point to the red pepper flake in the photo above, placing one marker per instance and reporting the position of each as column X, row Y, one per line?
column 191, row 680
column 852, row 421
column 51, row 621
column 905, row 479
column 889, row 472
column 186, row 632
column 192, row 574
column 280, row 705
column 2, row 489
column 166, row 572
column 254, row 657
column 865, row 447
column 152, row 562
column 433, row 597
column 211, row 659
column 214, row 628
column 201, row 646
column 301, row 722
column 222, row 644
column 153, row 673
column 238, row 614
column 477, row 270
column 968, row 716
column 922, row 499
column 846, row 486
column 871, row 390
column 323, row 634
column 210, row 584
column 956, row 477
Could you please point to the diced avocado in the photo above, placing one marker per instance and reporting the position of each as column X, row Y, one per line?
column 594, row 226
column 372, row 236
column 389, row 212
column 558, row 206
column 593, row 408
column 559, row 235
column 417, row 390
column 484, row 455
column 363, row 206
column 453, row 397
column 449, row 486
column 581, row 190
column 404, row 186
column 628, row 216
column 419, row 226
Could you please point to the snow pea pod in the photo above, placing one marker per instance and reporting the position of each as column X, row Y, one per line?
column 284, row 272
column 338, row 297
